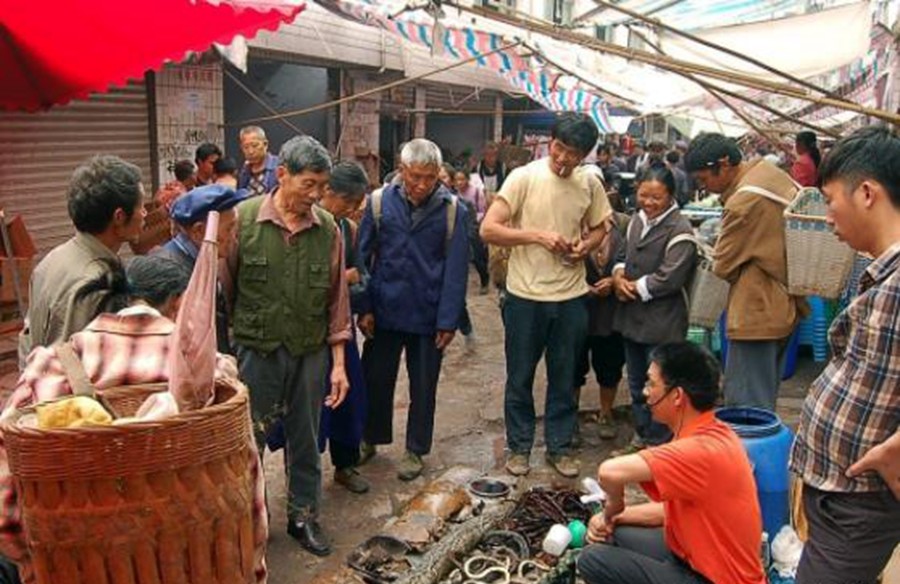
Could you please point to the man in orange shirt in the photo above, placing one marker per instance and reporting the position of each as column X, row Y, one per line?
column 704, row 523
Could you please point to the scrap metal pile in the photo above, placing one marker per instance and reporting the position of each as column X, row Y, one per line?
column 514, row 554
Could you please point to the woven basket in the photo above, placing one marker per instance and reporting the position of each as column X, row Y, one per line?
column 818, row 263
column 157, row 228
column 708, row 296
column 163, row 502
column 123, row 401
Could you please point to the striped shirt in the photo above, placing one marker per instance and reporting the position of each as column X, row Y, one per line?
column 854, row 404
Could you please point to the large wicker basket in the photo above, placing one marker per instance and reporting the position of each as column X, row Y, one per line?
column 818, row 263
column 164, row 502
column 157, row 228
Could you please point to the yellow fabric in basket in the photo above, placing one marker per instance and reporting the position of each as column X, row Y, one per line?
column 72, row 413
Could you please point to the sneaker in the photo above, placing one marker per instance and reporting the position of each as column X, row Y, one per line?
column 410, row 467
column 350, row 479
column 607, row 430
column 517, row 464
column 635, row 446
column 366, row 452
column 564, row 465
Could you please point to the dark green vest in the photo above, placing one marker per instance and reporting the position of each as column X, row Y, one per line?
column 283, row 288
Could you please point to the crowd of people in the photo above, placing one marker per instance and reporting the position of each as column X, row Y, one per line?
column 314, row 261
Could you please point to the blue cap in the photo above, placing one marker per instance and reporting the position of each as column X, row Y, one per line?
column 195, row 205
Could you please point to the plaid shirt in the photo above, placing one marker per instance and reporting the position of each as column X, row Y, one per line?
column 855, row 403
column 127, row 348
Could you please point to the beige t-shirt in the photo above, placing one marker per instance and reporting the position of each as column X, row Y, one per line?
column 540, row 200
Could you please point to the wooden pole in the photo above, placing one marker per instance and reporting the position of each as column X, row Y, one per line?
column 374, row 90
column 660, row 24
column 746, row 119
column 673, row 65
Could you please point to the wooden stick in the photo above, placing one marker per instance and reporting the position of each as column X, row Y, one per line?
column 674, row 65
column 660, row 24
column 374, row 90
column 571, row 73
column 714, row 93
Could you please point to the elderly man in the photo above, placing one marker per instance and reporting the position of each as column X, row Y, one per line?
column 704, row 523
column 105, row 205
column 189, row 213
column 847, row 451
column 413, row 239
column 291, row 307
column 552, row 213
column 751, row 256
column 259, row 174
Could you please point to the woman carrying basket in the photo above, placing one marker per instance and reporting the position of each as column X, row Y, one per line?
column 649, row 282
column 130, row 347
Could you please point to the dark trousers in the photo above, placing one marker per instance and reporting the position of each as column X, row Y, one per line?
column 480, row 259
column 851, row 536
column 9, row 573
column 753, row 373
column 606, row 355
column 289, row 387
column 637, row 555
column 637, row 360
column 555, row 330
column 381, row 363
column 343, row 456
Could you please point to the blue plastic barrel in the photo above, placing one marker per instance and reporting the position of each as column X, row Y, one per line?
column 768, row 443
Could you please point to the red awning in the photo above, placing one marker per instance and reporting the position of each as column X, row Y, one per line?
column 53, row 51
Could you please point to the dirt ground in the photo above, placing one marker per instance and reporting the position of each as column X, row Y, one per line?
column 468, row 432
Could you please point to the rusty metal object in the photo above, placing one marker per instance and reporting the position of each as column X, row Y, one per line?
column 539, row 509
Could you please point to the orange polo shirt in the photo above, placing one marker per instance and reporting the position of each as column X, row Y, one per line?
column 712, row 517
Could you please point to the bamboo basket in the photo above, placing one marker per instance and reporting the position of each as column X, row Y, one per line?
column 708, row 296
column 163, row 502
column 157, row 228
column 818, row 263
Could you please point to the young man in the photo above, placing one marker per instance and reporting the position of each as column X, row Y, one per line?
column 847, row 451
column 542, row 213
column 105, row 205
column 704, row 523
column 259, row 175
column 189, row 213
column 206, row 156
column 750, row 255
column 416, row 296
column 291, row 306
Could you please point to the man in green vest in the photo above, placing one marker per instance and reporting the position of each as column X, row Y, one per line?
column 291, row 306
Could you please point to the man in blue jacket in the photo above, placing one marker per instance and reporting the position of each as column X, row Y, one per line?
column 413, row 239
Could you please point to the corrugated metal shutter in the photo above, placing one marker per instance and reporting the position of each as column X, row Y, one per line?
column 39, row 151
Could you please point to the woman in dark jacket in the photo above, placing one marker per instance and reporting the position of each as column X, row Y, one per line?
column 650, row 283
column 604, row 349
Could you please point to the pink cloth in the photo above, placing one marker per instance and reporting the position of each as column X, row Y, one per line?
column 475, row 195
column 804, row 171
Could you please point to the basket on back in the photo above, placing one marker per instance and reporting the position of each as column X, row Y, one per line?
column 162, row 502
column 706, row 295
column 818, row 262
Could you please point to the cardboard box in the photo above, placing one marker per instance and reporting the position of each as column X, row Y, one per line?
column 20, row 258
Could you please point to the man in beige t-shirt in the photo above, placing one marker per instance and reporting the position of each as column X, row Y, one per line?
column 551, row 213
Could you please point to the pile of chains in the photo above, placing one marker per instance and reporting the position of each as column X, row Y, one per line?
column 539, row 509
column 514, row 555
column 502, row 557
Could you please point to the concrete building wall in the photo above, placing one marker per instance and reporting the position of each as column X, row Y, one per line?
column 189, row 111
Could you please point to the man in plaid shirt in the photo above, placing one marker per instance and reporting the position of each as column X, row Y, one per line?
column 847, row 450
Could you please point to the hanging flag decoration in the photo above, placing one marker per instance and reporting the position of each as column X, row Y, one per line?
column 528, row 75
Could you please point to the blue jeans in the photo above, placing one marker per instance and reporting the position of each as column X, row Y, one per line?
column 637, row 361
column 556, row 330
